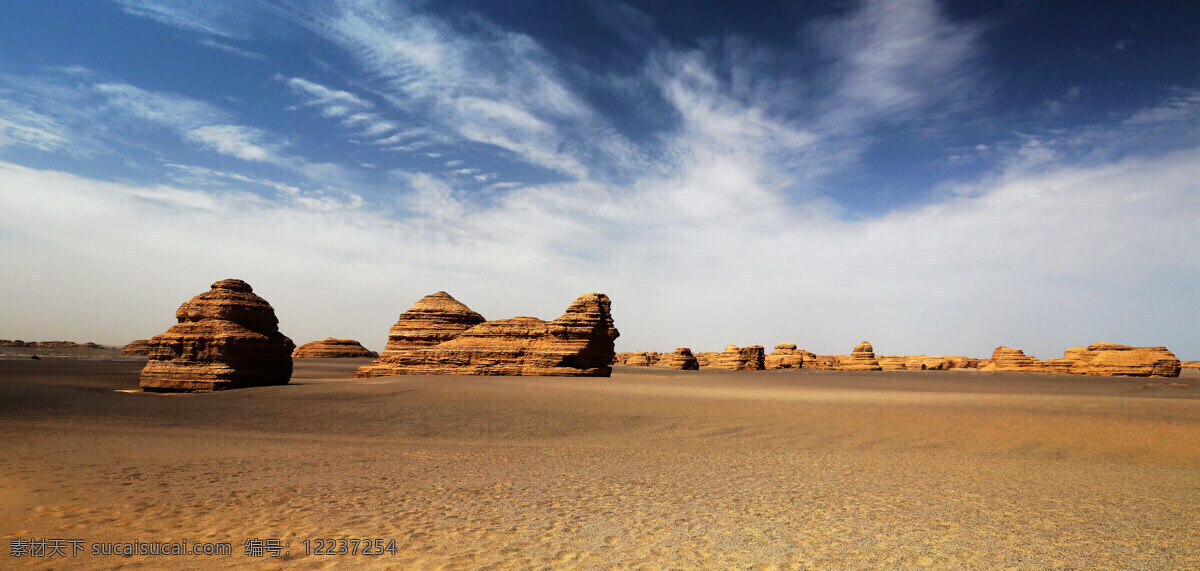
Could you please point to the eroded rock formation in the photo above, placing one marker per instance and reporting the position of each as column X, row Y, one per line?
column 740, row 358
column 226, row 338
column 682, row 359
column 1009, row 359
column 331, row 348
column 1111, row 359
column 785, row 356
column 136, row 348
column 861, row 359
column 440, row 336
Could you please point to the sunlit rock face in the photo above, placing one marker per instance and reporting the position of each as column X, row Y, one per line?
column 225, row 338
column 441, row 336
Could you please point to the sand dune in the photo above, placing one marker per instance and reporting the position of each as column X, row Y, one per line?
column 647, row 469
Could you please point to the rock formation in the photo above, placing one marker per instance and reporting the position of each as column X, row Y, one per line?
column 1009, row 359
column 136, row 348
column 682, row 359
column 1189, row 364
column 1112, row 359
column 819, row 362
column 638, row 359
column 861, row 359
column 785, row 356
column 740, row 358
column 226, row 338
column 440, row 336
column 329, row 347
column 896, row 363
column 706, row 358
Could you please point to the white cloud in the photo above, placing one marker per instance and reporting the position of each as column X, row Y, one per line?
column 234, row 140
column 211, row 43
column 214, row 18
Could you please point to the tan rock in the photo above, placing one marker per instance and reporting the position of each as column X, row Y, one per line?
column 820, row 362
column 706, row 358
column 785, row 356
column 226, row 338
column 682, row 359
column 861, row 359
column 740, row 358
column 1189, row 364
column 136, row 348
column 436, row 337
column 331, row 348
column 1111, row 359
column 895, row 363
column 638, row 359
column 1009, row 359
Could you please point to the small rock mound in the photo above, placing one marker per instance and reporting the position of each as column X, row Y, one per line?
column 861, row 359
column 331, row 348
column 740, row 358
column 682, row 359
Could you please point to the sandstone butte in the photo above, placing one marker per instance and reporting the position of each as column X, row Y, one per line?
column 330, row 347
column 1190, row 364
column 135, row 348
column 225, row 338
column 440, row 336
column 1108, row 359
column 861, row 359
column 785, row 356
column 739, row 358
column 682, row 359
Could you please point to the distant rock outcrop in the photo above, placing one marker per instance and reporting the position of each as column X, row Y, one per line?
column 331, row 348
column 785, row 356
column 1111, row 359
column 136, row 348
column 861, row 359
column 638, row 359
column 1189, row 364
column 740, row 358
column 226, row 338
column 1009, row 359
column 706, row 358
column 682, row 359
column 11, row 343
column 440, row 336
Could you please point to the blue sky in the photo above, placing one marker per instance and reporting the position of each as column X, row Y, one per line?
column 933, row 177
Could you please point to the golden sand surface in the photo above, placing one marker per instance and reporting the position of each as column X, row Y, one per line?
column 649, row 469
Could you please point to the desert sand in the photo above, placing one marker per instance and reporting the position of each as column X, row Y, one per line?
column 651, row 468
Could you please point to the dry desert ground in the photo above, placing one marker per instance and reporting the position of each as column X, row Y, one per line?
column 651, row 468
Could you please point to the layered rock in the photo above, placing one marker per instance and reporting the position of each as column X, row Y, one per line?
column 638, row 359
column 136, row 348
column 1111, row 359
column 785, row 356
column 434, row 319
column 740, row 358
column 682, row 359
column 1189, row 364
column 440, row 336
column 896, row 363
column 1009, row 359
column 861, row 359
column 331, row 348
column 225, row 338
column 706, row 358
column 820, row 362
